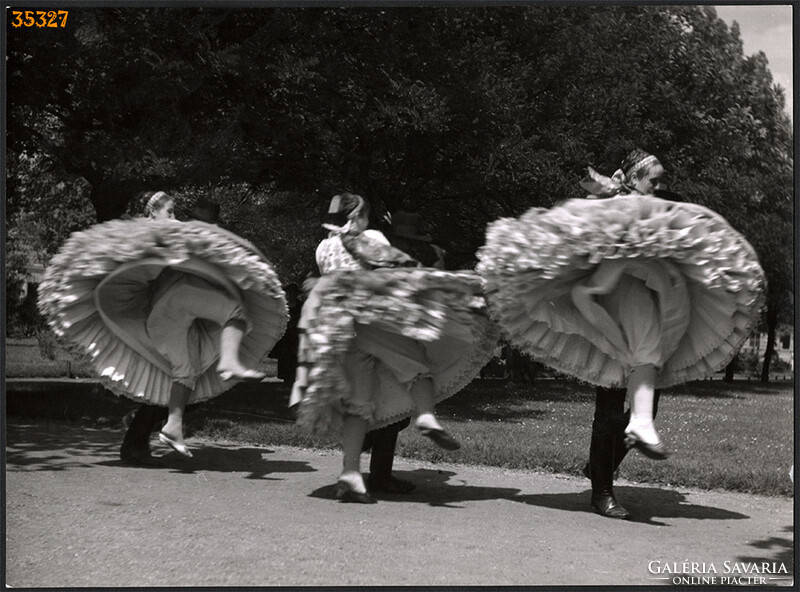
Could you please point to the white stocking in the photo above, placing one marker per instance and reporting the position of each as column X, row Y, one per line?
column 641, row 394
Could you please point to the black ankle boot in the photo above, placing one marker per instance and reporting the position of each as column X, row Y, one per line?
column 605, row 504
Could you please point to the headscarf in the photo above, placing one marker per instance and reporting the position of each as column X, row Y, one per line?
column 354, row 207
column 622, row 181
column 363, row 248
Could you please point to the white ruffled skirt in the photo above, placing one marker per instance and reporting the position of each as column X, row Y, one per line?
column 405, row 323
column 97, row 297
column 594, row 288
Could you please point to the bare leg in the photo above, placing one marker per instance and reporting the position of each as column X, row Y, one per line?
column 172, row 432
column 229, row 365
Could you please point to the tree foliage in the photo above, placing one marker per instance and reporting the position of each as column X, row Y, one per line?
column 461, row 113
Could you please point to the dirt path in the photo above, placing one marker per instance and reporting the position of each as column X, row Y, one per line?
column 248, row 516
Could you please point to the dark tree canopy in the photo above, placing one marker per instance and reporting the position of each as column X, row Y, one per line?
column 463, row 114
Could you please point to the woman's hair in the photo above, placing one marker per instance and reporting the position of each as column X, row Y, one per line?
column 637, row 163
column 155, row 202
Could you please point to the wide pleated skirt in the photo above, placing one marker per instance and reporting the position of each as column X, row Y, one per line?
column 439, row 316
column 693, row 287
column 96, row 295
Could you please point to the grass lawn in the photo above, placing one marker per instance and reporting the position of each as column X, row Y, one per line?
column 735, row 436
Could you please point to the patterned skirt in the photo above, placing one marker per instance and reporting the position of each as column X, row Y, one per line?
column 97, row 297
column 424, row 320
column 594, row 288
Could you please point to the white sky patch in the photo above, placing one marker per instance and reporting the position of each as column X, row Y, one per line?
column 767, row 28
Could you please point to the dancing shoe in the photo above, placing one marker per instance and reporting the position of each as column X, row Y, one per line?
column 440, row 437
column 344, row 492
column 390, row 484
column 178, row 447
column 138, row 456
column 245, row 376
column 606, row 505
column 657, row 450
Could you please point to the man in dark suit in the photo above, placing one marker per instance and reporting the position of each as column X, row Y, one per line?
column 135, row 449
column 383, row 443
column 285, row 350
column 607, row 448
column 404, row 234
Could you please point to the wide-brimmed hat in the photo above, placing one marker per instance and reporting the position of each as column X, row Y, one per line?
column 406, row 225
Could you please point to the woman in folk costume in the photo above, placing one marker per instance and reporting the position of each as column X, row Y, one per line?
column 383, row 339
column 170, row 312
column 632, row 290
column 135, row 448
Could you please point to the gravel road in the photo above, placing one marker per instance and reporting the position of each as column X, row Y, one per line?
column 241, row 515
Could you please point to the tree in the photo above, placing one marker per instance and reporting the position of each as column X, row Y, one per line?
column 463, row 114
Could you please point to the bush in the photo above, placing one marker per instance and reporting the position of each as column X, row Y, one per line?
column 748, row 363
column 22, row 313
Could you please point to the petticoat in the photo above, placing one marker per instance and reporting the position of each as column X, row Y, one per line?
column 532, row 264
column 96, row 295
column 444, row 311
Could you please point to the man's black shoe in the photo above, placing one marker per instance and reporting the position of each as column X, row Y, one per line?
column 390, row 484
column 606, row 505
column 139, row 457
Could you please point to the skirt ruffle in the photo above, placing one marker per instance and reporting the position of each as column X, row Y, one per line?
column 444, row 311
column 96, row 297
column 531, row 264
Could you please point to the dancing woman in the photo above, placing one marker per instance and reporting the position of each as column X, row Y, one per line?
column 383, row 339
column 160, row 206
column 629, row 291
column 169, row 313
column 135, row 448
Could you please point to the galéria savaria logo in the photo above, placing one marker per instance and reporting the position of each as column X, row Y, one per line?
column 731, row 573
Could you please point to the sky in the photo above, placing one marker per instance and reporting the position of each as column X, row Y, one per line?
column 766, row 28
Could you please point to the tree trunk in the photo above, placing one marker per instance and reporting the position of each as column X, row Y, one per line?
column 772, row 324
column 729, row 369
column 518, row 371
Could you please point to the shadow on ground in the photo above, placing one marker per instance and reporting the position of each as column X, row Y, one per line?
column 234, row 460
column 60, row 447
column 777, row 550
column 31, row 448
column 433, row 489
column 647, row 504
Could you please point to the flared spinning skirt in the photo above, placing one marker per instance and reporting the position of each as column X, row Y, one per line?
column 97, row 291
column 547, row 283
column 443, row 312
